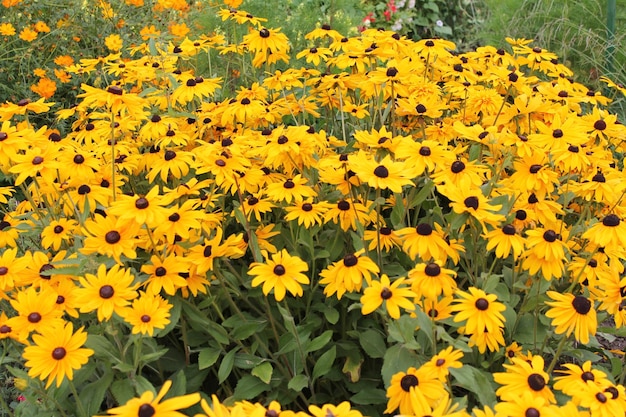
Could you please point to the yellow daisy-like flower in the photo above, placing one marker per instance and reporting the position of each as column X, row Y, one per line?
column 147, row 313
column 391, row 294
column 282, row 273
column 110, row 236
column 149, row 405
column 572, row 314
column 384, row 174
column 106, row 292
column 524, row 376
column 480, row 310
column 56, row 353
column 414, row 385
column 348, row 274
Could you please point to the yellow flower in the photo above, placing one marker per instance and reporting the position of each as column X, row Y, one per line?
column 107, row 292
column 572, row 314
column 28, row 35
column 44, row 88
column 42, row 27
column 7, row 29
column 282, row 273
column 179, row 30
column 57, row 353
column 390, row 294
column 149, row 405
column 113, row 42
column 147, row 313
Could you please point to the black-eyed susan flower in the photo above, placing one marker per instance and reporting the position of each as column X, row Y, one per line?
column 392, row 294
column 180, row 221
column 307, row 213
column 35, row 161
column 575, row 378
column 441, row 363
column 524, row 376
column 438, row 309
column 545, row 252
column 479, row 310
column 348, row 212
column 430, row 280
column 343, row 409
column 609, row 233
column 281, row 273
column 414, row 385
column 107, row 292
column 506, row 241
column 145, row 209
column 56, row 353
column 527, row 405
column 165, row 274
column 385, row 238
column 58, row 232
column 572, row 314
column 383, row 174
column 147, row 313
column 11, row 268
column 110, row 236
column 291, row 189
column 155, row 406
column 603, row 401
column 424, row 241
column 348, row 274
column 36, row 311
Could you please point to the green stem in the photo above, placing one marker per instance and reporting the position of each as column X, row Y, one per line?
column 559, row 349
column 81, row 409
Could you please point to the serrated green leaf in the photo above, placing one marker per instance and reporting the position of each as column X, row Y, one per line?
column 477, row 381
column 263, row 371
column 298, row 382
column 324, row 363
column 143, row 385
column 226, row 366
column 92, row 394
column 373, row 343
column 122, row 390
column 249, row 387
column 207, row 357
column 368, row 396
column 319, row 342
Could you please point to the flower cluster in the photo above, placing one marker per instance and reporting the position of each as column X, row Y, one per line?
column 468, row 207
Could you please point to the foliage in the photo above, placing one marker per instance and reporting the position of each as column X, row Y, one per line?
column 575, row 30
column 383, row 227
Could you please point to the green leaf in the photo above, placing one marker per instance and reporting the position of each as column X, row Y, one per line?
column 319, row 342
column 226, row 366
column 174, row 317
column 122, row 390
column 298, row 382
column 324, row 363
column 332, row 315
column 373, row 343
column 369, row 396
column 92, row 395
column 263, row 371
column 207, row 357
column 246, row 330
column 477, row 381
column 143, row 385
column 179, row 385
column 249, row 387
column 101, row 346
column 397, row 359
column 246, row 361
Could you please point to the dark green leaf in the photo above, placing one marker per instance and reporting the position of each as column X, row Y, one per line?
column 92, row 394
column 369, row 396
column 226, row 366
column 324, row 363
column 373, row 343
column 477, row 381
column 319, row 342
column 207, row 357
column 298, row 382
column 249, row 387
column 122, row 390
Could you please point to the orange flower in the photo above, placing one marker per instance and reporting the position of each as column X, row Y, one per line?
column 28, row 35
column 179, row 30
column 44, row 88
column 64, row 60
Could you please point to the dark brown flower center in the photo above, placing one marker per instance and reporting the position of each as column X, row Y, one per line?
column 264, row 33
column 408, row 381
column 37, row 160
column 44, row 268
column 115, row 89
column 581, row 304
column 535, row 168
column 169, row 155
column 587, row 376
column 425, row 151
column 4, row 329
column 599, row 125
column 350, row 260
column 84, row 189
column 432, row 270
column 59, row 353
column 536, row 382
column 392, row 72
column 58, row 229
column 549, row 236
column 611, row 220
column 385, row 294
column 424, row 229
column 145, row 318
column 381, row 171
column 112, row 237
column 289, row 184
column 106, row 291
column 531, row 412
column 440, row 362
column 34, row 317
column 307, row 207
column 482, row 304
column 601, row 397
column 343, row 205
column 145, row 410
column 471, row 202
column 3, row 270
column 160, row 271
column 421, row 109
column 279, row 270
column 557, row 133
column 508, row 229
column 141, row 203
column 174, row 217
column 457, row 166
